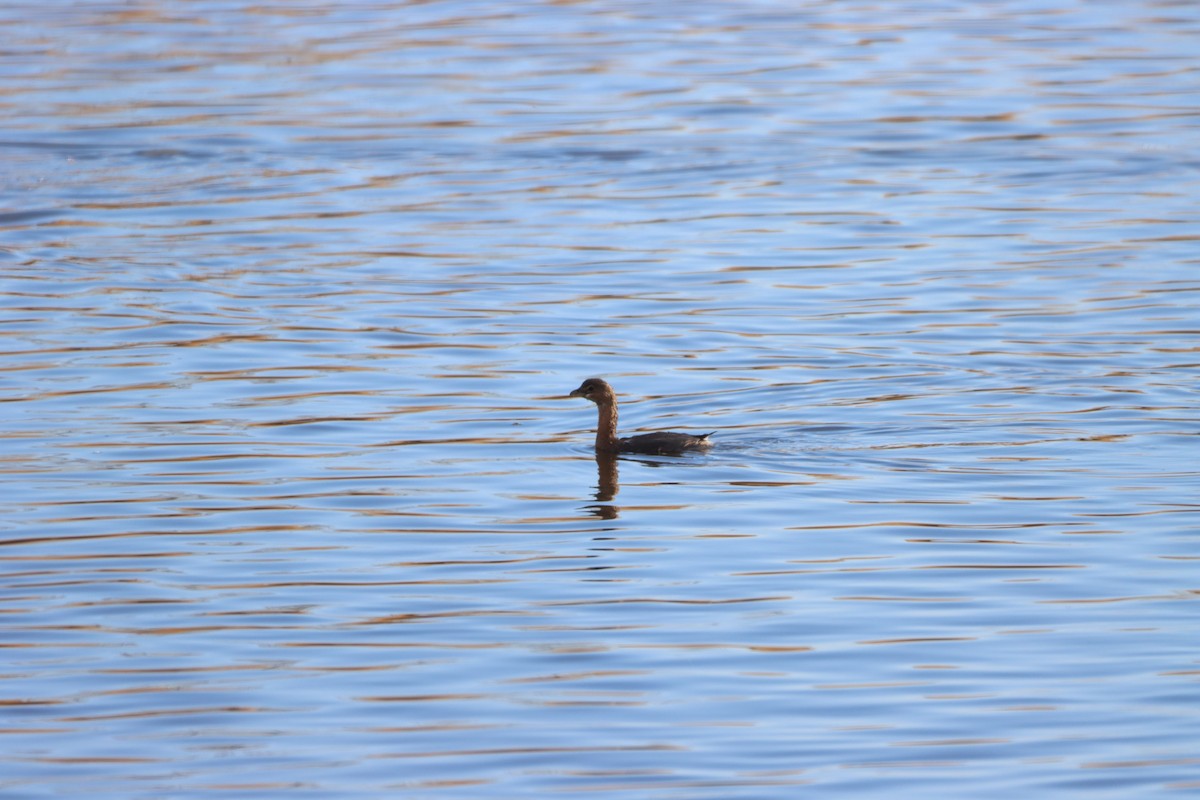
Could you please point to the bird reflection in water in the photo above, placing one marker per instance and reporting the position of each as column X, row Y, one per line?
column 607, row 485
column 609, row 445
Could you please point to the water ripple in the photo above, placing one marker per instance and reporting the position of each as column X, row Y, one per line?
column 291, row 298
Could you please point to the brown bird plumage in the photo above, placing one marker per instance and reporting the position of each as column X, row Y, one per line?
column 659, row 443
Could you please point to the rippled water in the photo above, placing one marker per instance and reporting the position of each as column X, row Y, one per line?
column 293, row 501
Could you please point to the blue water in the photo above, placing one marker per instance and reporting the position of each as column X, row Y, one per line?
column 294, row 501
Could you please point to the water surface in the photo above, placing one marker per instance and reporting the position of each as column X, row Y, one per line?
column 294, row 501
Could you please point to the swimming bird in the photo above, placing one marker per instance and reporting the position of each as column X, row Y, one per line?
column 658, row 443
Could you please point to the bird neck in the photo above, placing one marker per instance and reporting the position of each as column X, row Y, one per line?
column 606, row 427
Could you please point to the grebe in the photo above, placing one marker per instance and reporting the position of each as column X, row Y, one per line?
column 659, row 443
